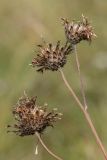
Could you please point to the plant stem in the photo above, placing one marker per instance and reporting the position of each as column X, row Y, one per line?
column 80, row 77
column 86, row 114
column 47, row 149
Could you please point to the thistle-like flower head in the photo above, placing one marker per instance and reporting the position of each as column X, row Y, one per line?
column 51, row 57
column 77, row 31
column 31, row 118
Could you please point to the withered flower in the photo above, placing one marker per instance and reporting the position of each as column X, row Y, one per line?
column 31, row 118
column 78, row 31
column 51, row 57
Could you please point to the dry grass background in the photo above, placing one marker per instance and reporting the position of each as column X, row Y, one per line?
column 22, row 23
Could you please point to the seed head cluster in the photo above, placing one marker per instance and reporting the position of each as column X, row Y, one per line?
column 78, row 31
column 31, row 118
column 51, row 57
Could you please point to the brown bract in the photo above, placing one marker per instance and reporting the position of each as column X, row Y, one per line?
column 31, row 118
column 51, row 57
column 78, row 31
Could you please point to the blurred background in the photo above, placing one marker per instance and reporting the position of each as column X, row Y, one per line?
column 22, row 24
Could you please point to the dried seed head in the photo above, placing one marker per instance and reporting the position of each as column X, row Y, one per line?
column 31, row 118
column 78, row 31
column 51, row 57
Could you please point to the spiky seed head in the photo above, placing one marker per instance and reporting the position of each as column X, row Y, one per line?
column 77, row 31
column 31, row 118
column 51, row 57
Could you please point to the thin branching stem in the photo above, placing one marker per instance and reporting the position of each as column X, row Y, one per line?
column 47, row 149
column 80, row 77
column 86, row 114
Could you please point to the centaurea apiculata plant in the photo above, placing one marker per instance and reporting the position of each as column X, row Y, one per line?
column 32, row 119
